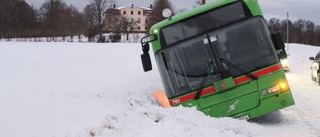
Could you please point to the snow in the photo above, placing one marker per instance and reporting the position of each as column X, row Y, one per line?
column 62, row 89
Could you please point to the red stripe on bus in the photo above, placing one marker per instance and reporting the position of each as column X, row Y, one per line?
column 243, row 79
column 237, row 81
column 192, row 96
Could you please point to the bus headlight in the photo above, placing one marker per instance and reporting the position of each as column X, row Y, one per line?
column 155, row 31
column 274, row 89
column 285, row 61
column 285, row 64
column 283, row 85
column 280, row 86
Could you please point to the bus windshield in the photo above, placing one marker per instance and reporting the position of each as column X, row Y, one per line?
column 246, row 44
column 204, row 23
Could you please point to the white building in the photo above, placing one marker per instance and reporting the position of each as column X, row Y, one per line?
column 134, row 13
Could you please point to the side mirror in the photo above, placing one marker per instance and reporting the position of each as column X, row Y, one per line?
column 311, row 58
column 145, row 57
column 279, row 45
column 146, row 62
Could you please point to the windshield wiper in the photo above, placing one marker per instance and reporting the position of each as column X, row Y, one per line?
column 253, row 77
column 210, row 64
column 203, row 81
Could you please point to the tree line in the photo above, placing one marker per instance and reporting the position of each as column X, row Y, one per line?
column 56, row 19
column 300, row 31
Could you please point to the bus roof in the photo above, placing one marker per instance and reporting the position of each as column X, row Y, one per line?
column 252, row 4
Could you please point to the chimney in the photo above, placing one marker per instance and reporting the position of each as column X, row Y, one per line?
column 203, row 2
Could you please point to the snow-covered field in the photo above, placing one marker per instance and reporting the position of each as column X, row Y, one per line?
column 61, row 89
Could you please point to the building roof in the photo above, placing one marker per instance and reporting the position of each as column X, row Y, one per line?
column 122, row 7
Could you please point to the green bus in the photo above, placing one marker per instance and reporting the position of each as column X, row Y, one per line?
column 221, row 58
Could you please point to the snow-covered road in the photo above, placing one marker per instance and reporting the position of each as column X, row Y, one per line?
column 305, row 115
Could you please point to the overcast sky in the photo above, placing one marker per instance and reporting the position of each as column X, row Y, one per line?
column 298, row 9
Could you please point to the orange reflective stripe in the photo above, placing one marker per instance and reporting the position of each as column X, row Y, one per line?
column 162, row 98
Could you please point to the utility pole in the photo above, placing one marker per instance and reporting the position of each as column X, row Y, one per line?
column 288, row 31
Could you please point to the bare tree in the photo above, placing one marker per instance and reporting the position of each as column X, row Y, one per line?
column 77, row 21
column 114, row 23
column 317, row 35
column 54, row 18
column 309, row 32
column 91, row 24
column 317, row 29
column 284, row 25
column 58, row 19
column 274, row 24
column 283, row 29
column 26, row 17
column 51, row 13
column 310, row 26
column 17, row 18
column 128, row 25
column 299, row 25
column 99, row 7
column 7, row 18
column 112, row 20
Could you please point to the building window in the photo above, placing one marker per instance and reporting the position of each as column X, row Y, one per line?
column 139, row 28
column 131, row 12
column 124, row 12
column 139, row 20
column 139, row 12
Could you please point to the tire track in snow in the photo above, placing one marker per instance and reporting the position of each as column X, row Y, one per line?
column 306, row 94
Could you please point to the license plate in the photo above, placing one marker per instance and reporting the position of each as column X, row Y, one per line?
column 245, row 117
